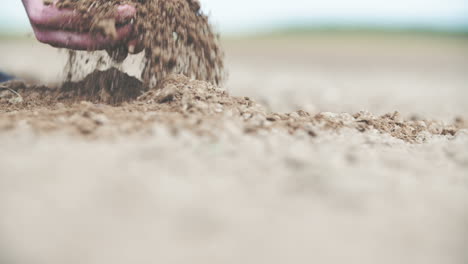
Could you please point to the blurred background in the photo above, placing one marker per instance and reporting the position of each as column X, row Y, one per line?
column 243, row 16
column 333, row 55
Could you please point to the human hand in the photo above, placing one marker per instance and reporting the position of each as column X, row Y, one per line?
column 66, row 28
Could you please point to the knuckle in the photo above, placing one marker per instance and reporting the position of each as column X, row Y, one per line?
column 40, row 37
column 37, row 18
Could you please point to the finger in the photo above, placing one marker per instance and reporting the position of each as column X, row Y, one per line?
column 53, row 18
column 82, row 41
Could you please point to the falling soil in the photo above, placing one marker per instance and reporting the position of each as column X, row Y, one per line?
column 183, row 105
column 175, row 34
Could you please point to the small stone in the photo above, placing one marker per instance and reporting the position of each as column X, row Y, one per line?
column 294, row 115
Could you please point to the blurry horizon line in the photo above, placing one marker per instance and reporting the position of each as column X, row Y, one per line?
column 307, row 27
column 273, row 26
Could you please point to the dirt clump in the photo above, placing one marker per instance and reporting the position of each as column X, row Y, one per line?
column 176, row 35
column 410, row 131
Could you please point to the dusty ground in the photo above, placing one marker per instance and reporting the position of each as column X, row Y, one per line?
column 194, row 174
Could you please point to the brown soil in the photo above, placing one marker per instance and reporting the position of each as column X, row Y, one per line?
column 177, row 37
column 112, row 109
column 110, row 87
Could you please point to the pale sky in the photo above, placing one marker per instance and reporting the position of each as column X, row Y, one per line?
column 250, row 15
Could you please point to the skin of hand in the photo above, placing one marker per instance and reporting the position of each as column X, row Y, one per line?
column 59, row 27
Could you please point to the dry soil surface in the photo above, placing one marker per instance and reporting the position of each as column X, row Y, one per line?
column 294, row 161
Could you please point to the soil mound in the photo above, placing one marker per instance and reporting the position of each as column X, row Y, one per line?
column 183, row 104
column 176, row 35
column 181, row 94
column 109, row 87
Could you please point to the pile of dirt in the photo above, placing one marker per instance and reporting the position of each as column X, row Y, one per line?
column 176, row 35
column 109, row 87
column 185, row 105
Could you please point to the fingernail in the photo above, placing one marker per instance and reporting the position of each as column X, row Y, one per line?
column 131, row 48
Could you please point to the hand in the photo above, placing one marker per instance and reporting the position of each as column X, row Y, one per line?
column 66, row 28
